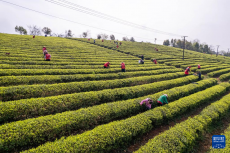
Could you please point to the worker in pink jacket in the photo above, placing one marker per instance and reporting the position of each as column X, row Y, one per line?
column 147, row 102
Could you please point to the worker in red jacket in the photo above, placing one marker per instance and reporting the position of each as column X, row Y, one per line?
column 155, row 61
column 122, row 67
column 106, row 65
column 187, row 70
column 198, row 66
column 47, row 57
column 44, row 48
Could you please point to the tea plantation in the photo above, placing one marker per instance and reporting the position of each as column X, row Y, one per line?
column 73, row 104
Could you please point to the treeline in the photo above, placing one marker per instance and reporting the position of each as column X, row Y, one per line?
column 34, row 30
column 105, row 36
column 194, row 45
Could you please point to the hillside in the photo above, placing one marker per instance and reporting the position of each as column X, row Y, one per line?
column 148, row 49
column 73, row 104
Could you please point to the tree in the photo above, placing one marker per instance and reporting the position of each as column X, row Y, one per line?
column 125, row 38
column 179, row 44
column 104, row 36
column 46, row 31
column 188, row 45
column 166, row 42
column 196, row 46
column 98, row 36
column 112, row 37
column 201, row 48
column 172, row 42
column 34, row 30
column 205, row 48
column 86, row 34
column 68, row 33
column 21, row 30
column 132, row 39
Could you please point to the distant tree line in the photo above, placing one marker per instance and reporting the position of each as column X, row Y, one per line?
column 105, row 36
column 194, row 45
column 35, row 30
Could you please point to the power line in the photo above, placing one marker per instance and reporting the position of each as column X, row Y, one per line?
column 82, row 9
column 70, row 20
column 102, row 15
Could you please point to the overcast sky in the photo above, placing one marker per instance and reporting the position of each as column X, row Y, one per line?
column 206, row 20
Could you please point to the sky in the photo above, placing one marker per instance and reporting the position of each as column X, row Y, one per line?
column 205, row 20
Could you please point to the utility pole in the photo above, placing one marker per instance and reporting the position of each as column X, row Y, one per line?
column 217, row 50
column 155, row 40
column 228, row 51
column 184, row 46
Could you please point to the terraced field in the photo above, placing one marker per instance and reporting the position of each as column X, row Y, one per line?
column 72, row 104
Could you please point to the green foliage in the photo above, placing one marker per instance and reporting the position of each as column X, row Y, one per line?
column 166, row 42
column 43, row 106
column 39, row 79
column 217, row 73
column 99, row 99
column 21, row 30
column 165, row 52
column 224, row 77
column 8, row 72
column 182, row 137
column 46, row 31
column 25, row 91
column 85, row 118
column 119, row 133
column 210, row 70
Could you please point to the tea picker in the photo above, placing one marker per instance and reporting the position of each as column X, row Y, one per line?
column 187, row 70
column 106, row 65
column 162, row 100
column 147, row 102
